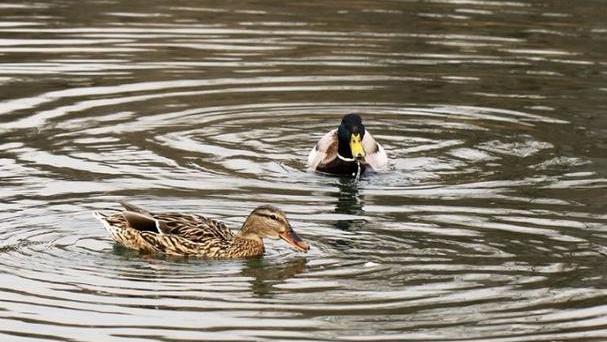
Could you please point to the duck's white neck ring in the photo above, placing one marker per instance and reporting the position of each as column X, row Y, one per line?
column 345, row 159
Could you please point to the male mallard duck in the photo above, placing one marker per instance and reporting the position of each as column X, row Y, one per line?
column 348, row 150
column 195, row 235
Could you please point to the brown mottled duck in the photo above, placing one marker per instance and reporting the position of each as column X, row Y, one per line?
column 196, row 235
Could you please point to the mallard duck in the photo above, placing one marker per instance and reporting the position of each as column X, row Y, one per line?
column 195, row 235
column 348, row 150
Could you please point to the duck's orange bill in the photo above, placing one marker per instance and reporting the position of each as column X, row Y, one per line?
column 292, row 239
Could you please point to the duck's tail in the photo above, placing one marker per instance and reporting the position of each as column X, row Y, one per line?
column 117, row 228
column 104, row 218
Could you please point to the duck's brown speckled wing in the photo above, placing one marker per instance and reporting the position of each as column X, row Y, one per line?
column 195, row 228
column 179, row 234
column 177, row 245
column 176, row 234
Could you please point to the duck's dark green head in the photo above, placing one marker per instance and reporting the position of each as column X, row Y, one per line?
column 350, row 135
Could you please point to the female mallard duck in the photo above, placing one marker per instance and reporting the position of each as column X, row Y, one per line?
column 348, row 150
column 195, row 235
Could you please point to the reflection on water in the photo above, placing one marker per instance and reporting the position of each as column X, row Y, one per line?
column 490, row 225
column 265, row 275
column 349, row 203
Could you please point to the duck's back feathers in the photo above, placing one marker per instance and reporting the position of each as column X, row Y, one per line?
column 175, row 234
column 193, row 227
column 190, row 226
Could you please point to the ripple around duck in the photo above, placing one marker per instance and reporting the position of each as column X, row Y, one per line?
column 442, row 246
column 488, row 226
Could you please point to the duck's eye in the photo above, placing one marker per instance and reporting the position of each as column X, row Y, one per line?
column 274, row 217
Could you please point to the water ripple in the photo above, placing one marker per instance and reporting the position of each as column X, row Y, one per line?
column 489, row 225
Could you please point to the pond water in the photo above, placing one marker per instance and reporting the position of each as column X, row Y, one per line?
column 491, row 224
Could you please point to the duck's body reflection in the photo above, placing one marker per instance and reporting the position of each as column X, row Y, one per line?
column 349, row 202
column 265, row 273
column 261, row 273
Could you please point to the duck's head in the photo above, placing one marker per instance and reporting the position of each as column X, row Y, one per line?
column 350, row 136
column 271, row 222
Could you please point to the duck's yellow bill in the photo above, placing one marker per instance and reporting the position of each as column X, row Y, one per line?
column 356, row 146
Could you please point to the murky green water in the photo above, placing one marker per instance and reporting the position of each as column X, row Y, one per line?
column 490, row 226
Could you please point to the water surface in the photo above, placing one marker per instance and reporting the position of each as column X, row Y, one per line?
column 490, row 225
